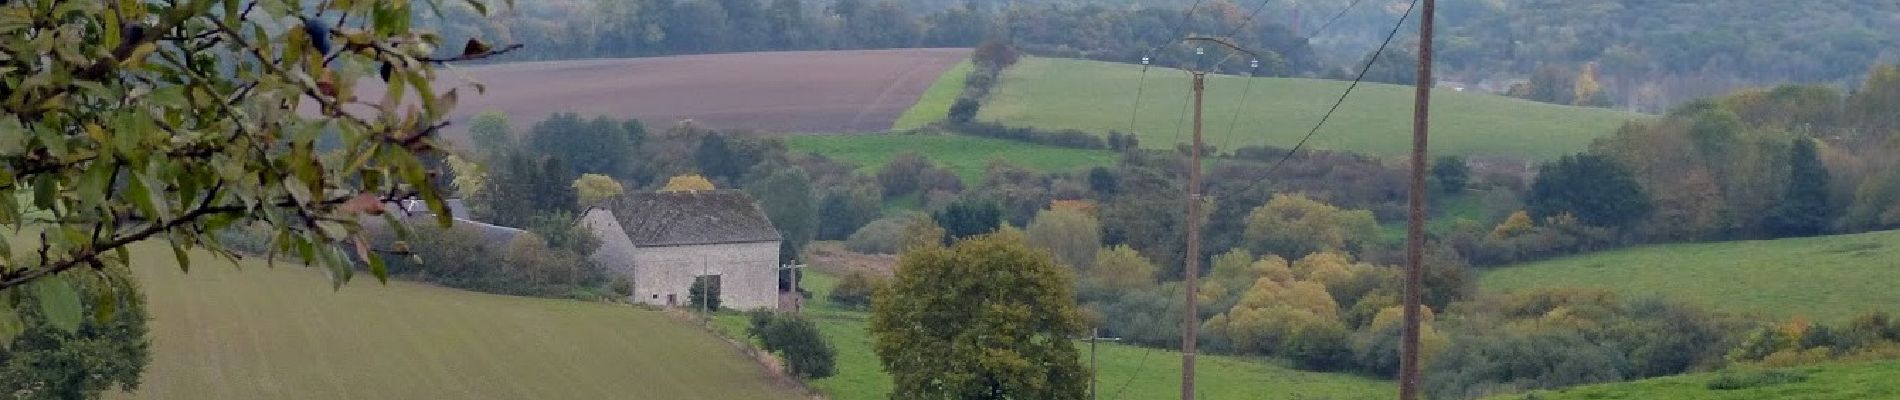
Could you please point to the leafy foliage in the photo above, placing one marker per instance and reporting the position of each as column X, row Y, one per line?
column 87, row 359
column 1294, row 226
column 133, row 121
column 687, row 183
column 968, row 218
column 987, row 318
column 786, row 195
column 592, row 188
column 489, row 132
column 1596, row 189
column 1804, row 208
column 597, row 146
column 1450, row 174
column 883, row 236
column 704, row 293
column 795, row 339
column 854, row 291
column 521, row 185
column 1072, row 236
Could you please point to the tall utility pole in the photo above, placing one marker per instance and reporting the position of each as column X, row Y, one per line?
column 1415, row 224
column 1191, row 320
column 1095, row 335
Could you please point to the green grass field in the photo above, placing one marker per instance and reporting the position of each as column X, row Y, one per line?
column 1853, row 381
column 934, row 105
column 1829, row 278
column 1099, row 96
column 282, row 333
column 967, row 156
column 1128, row 372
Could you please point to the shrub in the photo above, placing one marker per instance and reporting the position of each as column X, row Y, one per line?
column 883, row 236
column 854, row 291
column 1734, row 381
column 796, row 340
column 704, row 293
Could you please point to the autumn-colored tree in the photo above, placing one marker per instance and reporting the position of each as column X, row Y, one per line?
column 1294, row 226
column 1073, row 237
column 1517, row 224
column 1120, row 268
column 131, row 121
column 592, row 188
column 470, row 177
column 687, row 183
column 1874, row 104
column 987, row 318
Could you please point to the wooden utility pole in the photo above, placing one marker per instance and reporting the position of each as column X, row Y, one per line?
column 1415, row 225
column 1190, row 319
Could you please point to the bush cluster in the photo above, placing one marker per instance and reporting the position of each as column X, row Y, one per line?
column 796, row 340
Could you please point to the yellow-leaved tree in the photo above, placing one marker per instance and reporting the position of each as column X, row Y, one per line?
column 592, row 188
column 687, row 183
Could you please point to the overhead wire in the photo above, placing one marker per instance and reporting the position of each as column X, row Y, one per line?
column 1147, row 59
column 1336, row 17
column 1342, row 96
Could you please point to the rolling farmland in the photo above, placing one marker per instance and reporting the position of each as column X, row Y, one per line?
column 1827, row 278
column 1098, row 97
column 282, row 333
column 794, row 91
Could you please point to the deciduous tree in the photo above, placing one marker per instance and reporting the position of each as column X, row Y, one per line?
column 1073, row 237
column 1596, row 189
column 987, row 318
column 592, row 188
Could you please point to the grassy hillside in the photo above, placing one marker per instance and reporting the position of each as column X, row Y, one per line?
column 281, row 333
column 935, row 103
column 968, row 156
column 1098, row 96
column 1128, row 372
column 1823, row 382
column 1823, row 278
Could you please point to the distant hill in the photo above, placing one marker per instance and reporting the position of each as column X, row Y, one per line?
column 1648, row 53
column 1098, row 96
column 967, row 156
column 282, row 333
column 1845, row 381
column 1829, row 278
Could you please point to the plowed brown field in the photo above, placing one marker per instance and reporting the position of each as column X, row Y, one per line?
column 798, row 91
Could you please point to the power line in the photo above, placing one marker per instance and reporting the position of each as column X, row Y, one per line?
column 1231, row 123
column 1147, row 58
column 1143, row 364
column 1342, row 96
column 1342, row 13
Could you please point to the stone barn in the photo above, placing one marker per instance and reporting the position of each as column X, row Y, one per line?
column 666, row 241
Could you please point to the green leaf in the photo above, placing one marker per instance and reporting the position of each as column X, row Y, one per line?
column 106, row 303
column 377, row 268
column 10, row 324
column 59, row 302
column 184, row 260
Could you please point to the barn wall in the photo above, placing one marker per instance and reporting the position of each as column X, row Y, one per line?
column 615, row 253
column 748, row 273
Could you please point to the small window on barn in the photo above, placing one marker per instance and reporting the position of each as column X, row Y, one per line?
column 656, row 297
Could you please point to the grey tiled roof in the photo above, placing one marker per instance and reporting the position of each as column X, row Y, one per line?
column 688, row 218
